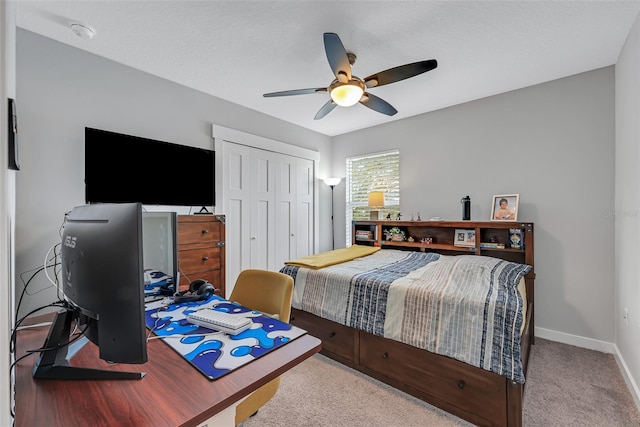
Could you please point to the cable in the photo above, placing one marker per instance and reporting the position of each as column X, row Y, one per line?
column 185, row 335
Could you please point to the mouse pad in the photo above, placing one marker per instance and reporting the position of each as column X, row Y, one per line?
column 215, row 353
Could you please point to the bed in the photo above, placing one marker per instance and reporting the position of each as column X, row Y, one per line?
column 453, row 330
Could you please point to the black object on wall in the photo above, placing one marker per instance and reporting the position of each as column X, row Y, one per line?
column 13, row 136
column 466, row 208
column 122, row 168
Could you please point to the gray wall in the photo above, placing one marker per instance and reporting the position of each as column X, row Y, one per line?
column 7, row 206
column 554, row 145
column 61, row 90
column 627, row 207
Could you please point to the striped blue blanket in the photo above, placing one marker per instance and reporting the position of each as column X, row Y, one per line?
column 465, row 307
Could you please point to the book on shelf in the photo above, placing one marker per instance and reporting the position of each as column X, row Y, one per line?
column 364, row 235
column 516, row 238
column 491, row 245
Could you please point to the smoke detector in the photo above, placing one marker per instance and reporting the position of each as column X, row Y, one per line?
column 82, row 30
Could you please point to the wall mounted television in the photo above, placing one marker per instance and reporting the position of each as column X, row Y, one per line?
column 123, row 169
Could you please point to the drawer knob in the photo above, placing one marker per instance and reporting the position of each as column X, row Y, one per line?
column 205, row 258
column 332, row 334
column 461, row 384
column 385, row 355
column 205, row 231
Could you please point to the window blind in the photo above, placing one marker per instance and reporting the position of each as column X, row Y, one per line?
column 373, row 172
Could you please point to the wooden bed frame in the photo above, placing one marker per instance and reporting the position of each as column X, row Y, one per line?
column 474, row 394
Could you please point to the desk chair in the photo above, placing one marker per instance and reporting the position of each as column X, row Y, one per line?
column 269, row 292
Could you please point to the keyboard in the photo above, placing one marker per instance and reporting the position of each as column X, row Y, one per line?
column 231, row 324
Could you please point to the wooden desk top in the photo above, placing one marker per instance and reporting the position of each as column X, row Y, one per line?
column 173, row 393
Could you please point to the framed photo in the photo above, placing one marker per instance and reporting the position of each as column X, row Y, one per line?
column 505, row 207
column 464, row 238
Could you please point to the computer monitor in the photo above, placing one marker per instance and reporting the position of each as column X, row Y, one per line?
column 102, row 280
column 159, row 231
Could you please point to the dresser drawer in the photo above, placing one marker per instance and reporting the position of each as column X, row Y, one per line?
column 204, row 233
column 336, row 338
column 194, row 260
column 479, row 392
column 201, row 250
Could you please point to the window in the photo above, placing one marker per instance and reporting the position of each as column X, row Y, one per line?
column 373, row 172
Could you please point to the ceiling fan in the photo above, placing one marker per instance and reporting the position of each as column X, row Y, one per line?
column 347, row 90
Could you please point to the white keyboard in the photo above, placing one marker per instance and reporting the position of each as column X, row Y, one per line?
column 231, row 324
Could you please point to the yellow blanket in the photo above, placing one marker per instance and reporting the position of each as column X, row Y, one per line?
column 325, row 259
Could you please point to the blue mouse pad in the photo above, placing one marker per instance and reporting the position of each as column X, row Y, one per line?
column 215, row 354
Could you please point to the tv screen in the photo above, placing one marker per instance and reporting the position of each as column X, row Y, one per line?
column 102, row 280
column 124, row 169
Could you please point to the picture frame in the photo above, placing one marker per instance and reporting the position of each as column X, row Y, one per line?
column 465, row 238
column 504, row 207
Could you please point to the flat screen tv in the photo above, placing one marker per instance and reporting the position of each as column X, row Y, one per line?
column 123, row 169
column 102, row 280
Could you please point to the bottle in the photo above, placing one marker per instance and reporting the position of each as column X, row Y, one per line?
column 466, row 208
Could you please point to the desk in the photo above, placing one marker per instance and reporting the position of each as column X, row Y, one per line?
column 173, row 393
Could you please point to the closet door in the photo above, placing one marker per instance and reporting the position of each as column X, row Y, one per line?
column 262, row 213
column 268, row 203
column 304, row 208
column 286, row 190
column 237, row 205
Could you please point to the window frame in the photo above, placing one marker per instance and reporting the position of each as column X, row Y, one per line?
column 388, row 182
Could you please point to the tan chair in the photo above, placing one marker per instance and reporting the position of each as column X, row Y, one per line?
column 269, row 292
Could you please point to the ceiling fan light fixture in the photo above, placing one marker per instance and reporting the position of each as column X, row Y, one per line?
column 347, row 94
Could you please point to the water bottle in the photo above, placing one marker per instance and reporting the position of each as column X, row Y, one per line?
column 466, row 208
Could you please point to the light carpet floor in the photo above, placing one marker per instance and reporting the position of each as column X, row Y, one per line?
column 566, row 386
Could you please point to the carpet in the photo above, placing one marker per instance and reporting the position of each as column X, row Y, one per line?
column 566, row 386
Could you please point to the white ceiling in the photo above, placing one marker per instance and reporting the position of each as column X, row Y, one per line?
column 239, row 50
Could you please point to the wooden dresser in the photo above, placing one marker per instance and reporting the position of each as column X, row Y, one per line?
column 201, row 250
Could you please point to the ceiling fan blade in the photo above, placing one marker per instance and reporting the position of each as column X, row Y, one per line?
column 295, row 92
column 401, row 72
column 337, row 57
column 326, row 109
column 378, row 104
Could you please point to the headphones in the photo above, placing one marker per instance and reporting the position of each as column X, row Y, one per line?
column 199, row 290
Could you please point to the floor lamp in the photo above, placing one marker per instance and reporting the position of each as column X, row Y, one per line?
column 332, row 182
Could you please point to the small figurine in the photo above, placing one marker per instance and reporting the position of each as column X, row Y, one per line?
column 398, row 217
column 419, row 219
column 412, row 218
column 389, row 216
column 410, row 239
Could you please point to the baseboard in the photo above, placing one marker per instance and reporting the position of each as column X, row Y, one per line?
column 631, row 383
column 591, row 344
column 577, row 340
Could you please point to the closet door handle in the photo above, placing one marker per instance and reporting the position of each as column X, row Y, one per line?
column 254, row 238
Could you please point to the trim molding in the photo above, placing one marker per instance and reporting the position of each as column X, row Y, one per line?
column 591, row 344
column 577, row 340
column 631, row 383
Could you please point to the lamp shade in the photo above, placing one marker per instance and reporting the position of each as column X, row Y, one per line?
column 376, row 199
column 332, row 182
column 347, row 95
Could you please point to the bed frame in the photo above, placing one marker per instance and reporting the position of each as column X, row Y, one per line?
column 474, row 394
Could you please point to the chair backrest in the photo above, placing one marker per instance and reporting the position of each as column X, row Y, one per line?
column 266, row 291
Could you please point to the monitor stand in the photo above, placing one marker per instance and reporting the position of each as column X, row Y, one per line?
column 53, row 364
column 203, row 211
